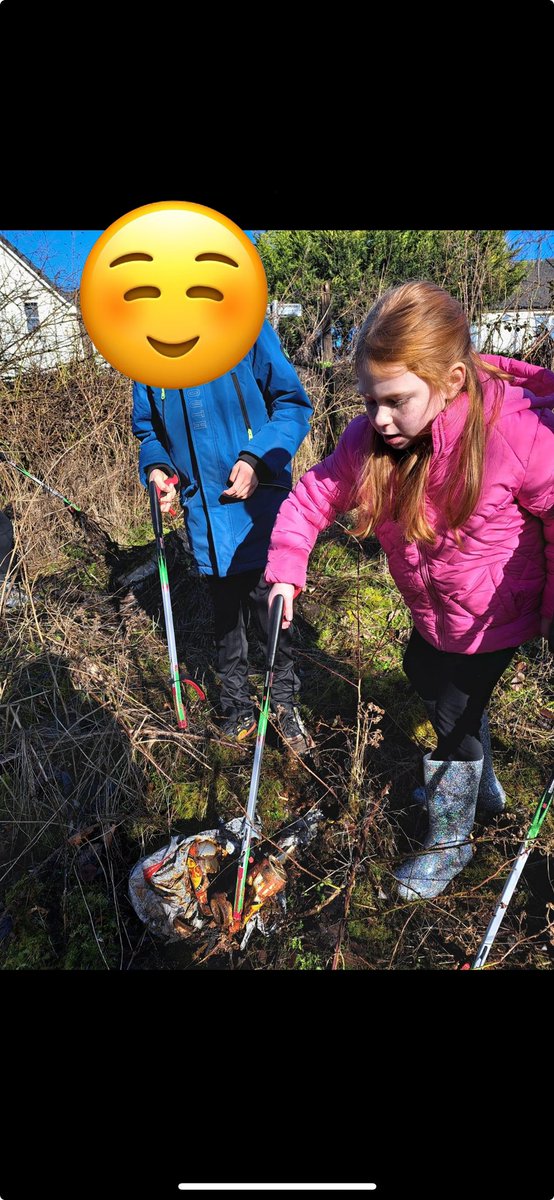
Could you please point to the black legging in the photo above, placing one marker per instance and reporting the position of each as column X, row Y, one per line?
column 455, row 689
column 237, row 598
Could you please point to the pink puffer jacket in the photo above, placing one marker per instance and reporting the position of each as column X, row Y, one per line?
column 490, row 592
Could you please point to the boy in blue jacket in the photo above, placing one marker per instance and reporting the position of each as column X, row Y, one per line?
column 230, row 442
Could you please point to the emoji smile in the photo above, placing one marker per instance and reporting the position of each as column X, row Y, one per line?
column 172, row 349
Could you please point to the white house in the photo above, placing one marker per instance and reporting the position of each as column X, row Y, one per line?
column 526, row 317
column 39, row 322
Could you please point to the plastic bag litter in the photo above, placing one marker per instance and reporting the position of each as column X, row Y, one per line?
column 161, row 890
column 169, row 888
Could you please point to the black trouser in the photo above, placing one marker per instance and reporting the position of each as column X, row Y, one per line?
column 235, row 599
column 455, row 689
column 6, row 544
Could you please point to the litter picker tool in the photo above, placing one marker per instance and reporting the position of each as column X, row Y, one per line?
column 511, row 882
column 275, row 619
column 46, row 486
column 95, row 534
column 168, row 614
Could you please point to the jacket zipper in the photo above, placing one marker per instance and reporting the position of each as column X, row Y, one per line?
column 196, row 475
column 432, row 591
column 245, row 417
column 242, row 406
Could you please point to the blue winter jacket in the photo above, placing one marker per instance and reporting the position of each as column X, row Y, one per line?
column 258, row 411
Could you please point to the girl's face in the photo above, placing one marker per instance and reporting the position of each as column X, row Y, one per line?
column 400, row 405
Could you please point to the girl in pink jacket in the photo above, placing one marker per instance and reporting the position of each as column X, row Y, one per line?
column 452, row 467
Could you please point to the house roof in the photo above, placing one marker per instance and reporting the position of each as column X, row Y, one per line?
column 536, row 290
column 63, row 293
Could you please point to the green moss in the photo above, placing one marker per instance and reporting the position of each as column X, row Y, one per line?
column 381, row 934
column 139, row 535
column 326, row 636
column 272, row 802
column 59, row 929
column 93, row 939
column 30, row 950
column 77, row 553
column 367, row 925
column 29, row 947
column 357, row 929
column 221, row 757
column 189, row 800
column 333, row 558
column 304, row 960
column 423, row 731
column 523, row 782
column 223, row 797
column 308, row 961
column 91, row 575
column 389, row 688
column 376, row 600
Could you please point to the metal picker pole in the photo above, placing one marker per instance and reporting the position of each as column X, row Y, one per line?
column 166, row 598
column 511, row 882
column 275, row 619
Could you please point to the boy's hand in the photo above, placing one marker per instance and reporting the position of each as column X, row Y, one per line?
column 547, row 631
column 286, row 590
column 243, row 481
column 170, row 495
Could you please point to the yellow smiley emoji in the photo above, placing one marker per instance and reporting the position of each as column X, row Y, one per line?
column 173, row 294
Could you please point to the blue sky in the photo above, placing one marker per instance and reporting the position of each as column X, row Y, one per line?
column 61, row 253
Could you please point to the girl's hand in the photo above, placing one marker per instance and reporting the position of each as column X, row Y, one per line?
column 286, row 590
column 243, row 480
column 547, row 631
column 169, row 495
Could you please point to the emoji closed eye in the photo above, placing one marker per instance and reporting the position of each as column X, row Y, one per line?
column 127, row 258
column 222, row 258
column 141, row 293
column 204, row 293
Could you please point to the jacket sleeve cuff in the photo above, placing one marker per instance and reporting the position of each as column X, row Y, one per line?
column 270, row 582
column 158, row 467
column 264, row 473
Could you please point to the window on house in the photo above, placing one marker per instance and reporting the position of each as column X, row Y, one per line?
column 31, row 315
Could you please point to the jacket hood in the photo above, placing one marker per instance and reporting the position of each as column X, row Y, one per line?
column 530, row 387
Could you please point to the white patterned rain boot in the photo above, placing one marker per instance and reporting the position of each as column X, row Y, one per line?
column 491, row 797
column 451, row 789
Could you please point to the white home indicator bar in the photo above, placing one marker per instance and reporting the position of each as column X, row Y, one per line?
column 277, row 1187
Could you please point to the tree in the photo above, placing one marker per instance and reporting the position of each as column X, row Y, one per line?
column 336, row 274
column 476, row 265
column 298, row 264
